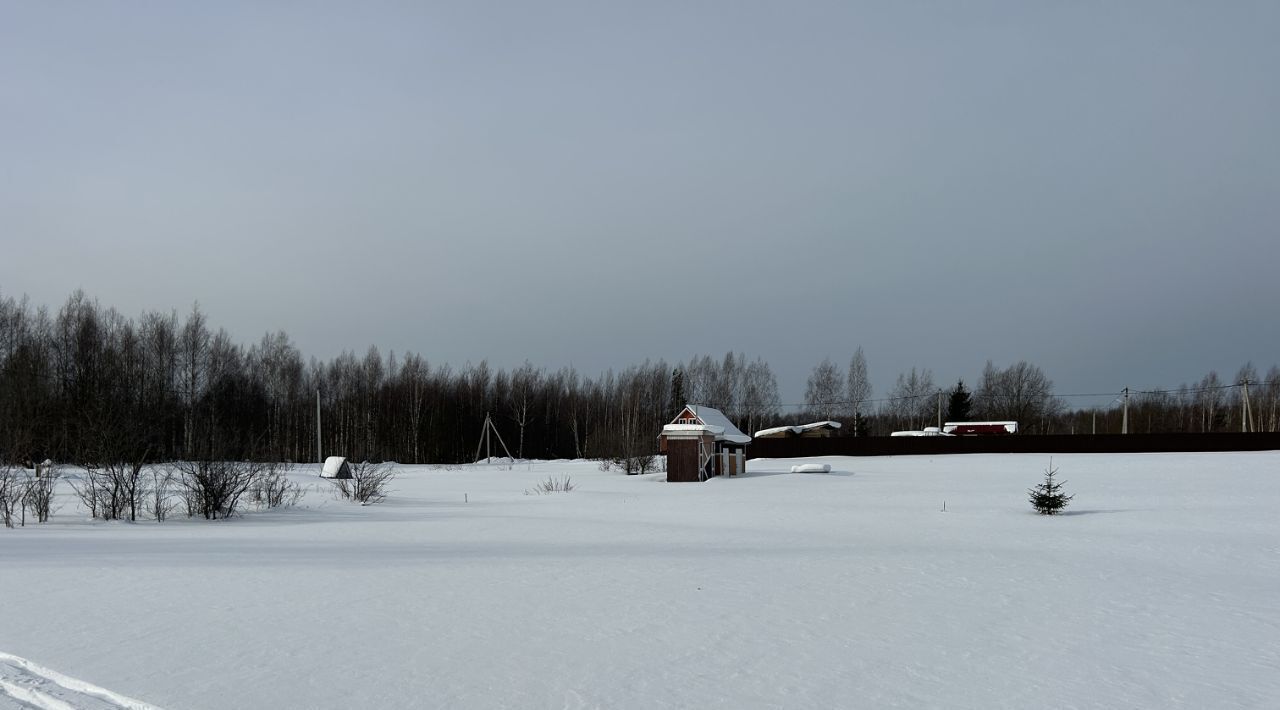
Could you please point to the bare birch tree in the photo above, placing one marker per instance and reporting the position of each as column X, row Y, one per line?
column 824, row 390
column 912, row 401
column 857, row 387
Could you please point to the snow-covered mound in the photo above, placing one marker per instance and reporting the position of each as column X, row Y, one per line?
column 811, row 468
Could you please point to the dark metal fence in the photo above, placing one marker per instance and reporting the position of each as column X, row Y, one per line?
column 1015, row 444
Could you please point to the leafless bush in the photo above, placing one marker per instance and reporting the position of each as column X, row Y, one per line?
column 551, row 485
column 101, row 490
column 113, row 490
column 85, row 489
column 631, row 465
column 275, row 490
column 114, row 485
column 38, row 490
column 133, row 486
column 191, row 496
column 643, row 464
column 159, row 497
column 368, row 482
column 213, row 489
column 10, row 495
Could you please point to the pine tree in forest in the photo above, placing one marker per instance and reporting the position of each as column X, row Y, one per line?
column 1047, row 497
column 677, row 389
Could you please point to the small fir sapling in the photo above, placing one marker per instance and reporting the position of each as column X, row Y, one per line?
column 1047, row 497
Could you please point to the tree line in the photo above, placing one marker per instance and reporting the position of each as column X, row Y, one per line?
column 1022, row 392
column 86, row 384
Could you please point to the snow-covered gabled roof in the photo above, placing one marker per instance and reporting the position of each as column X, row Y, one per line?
column 1011, row 427
column 715, row 418
column 798, row 428
column 692, row 429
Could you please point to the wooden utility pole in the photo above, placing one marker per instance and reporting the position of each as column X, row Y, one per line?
column 1246, row 411
column 319, row 456
column 1124, row 425
column 486, row 443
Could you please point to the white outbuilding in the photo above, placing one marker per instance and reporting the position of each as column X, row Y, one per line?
column 336, row 467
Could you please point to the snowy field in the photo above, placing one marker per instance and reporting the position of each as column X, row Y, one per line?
column 1159, row 589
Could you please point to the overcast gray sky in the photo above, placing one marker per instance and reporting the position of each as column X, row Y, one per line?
column 1093, row 187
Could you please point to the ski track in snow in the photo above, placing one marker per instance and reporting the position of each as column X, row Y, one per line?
column 27, row 685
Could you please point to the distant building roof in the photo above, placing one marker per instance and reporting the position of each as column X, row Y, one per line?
column 980, row 427
column 798, row 428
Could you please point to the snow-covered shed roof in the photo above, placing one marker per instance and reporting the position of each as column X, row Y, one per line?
column 716, row 418
column 797, row 429
column 713, row 420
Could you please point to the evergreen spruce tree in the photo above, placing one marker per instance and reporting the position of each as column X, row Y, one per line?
column 1047, row 497
column 960, row 405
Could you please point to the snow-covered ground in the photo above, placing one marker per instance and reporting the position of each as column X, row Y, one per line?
column 1159, row 589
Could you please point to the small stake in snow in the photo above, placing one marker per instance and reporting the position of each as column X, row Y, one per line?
column 464, row 498
column 944, row 506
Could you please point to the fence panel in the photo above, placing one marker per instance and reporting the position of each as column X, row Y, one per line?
column 1015, row 444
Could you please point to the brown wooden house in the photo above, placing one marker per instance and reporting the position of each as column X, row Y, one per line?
column 700, row 443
